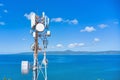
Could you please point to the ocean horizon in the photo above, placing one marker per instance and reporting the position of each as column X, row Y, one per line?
column 64, row 67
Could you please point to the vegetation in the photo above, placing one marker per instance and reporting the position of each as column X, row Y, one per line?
column 7, row 78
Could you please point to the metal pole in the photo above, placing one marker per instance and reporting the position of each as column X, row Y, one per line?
column 35, row 64
column 45, row 64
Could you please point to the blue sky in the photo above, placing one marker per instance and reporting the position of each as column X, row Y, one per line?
column 79, row 25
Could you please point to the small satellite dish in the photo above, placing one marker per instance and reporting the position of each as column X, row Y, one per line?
column 24, row 67
column 32, row 20
column 40, row 27
column 48, row 33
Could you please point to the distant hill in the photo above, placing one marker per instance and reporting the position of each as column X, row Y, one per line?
column 83, row 52
column 69, row 52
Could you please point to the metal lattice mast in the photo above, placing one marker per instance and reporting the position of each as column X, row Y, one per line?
column 35, row 58
column 39, row 26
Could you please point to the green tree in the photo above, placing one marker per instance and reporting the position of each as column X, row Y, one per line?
column 4, row 78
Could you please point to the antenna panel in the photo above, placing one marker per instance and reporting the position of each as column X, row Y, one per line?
column 32, row 20
column 34, row 34
column 43, row 14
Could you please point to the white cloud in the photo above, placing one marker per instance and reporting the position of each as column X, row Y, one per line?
column 73, row 45
column 1, row 4
column 81, row 44
column 88, row 29
column 96, row 39
column 28, row 16
column 59, row 46
column 102, row 26
column 5, row 11
column 74, row 21
column 2, row 23
column 59, row 19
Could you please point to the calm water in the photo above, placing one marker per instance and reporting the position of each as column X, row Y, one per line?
column 65, row 67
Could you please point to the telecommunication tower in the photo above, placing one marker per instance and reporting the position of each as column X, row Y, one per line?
column 39, row 30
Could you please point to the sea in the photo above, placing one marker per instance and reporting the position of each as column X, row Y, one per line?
column 64, row 67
